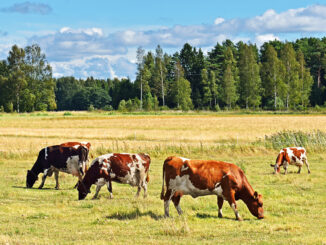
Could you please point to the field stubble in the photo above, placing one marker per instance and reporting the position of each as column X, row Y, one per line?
column 293, row 203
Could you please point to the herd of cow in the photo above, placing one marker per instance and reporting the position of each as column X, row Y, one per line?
column 182, row 176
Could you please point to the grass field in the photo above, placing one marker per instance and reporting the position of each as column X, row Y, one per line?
column 294, row 204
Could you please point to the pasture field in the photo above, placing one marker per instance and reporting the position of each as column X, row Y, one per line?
column 294, row 204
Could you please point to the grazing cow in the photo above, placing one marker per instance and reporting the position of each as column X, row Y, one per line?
column 206, row 177
column 58, row 158
column 291, row 156
column 126, row 168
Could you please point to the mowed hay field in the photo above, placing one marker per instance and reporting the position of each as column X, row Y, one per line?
column 294, row 204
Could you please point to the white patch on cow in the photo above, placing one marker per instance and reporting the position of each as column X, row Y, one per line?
column 183, row 168
column 73, row 165
column 184, row 185
column 184, row 159
column 83, row 143
column 100, row 182
column 76, row 146
column 46, row 153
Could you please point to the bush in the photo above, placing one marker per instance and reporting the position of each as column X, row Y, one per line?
column 91, row 108
column 2, row 109
column 107, row 108
column 217, row 108
column 9, row 107
column 122, row 106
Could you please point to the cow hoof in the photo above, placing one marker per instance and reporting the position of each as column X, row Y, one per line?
column 239, row 219
column 57, row 188
column 220, row 216
column 40, row 187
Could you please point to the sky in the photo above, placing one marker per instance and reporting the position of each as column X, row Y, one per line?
column 99, row 38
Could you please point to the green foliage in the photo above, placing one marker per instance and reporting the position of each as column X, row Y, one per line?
column 122, row 106
column 313, row 141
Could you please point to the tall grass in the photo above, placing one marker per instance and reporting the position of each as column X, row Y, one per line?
column 312, row 141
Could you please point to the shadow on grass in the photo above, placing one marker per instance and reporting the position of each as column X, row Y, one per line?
column 205, row 216
column 44, row 188
column 134, row 215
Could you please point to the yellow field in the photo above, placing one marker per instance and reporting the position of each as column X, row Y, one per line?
column 28, row 134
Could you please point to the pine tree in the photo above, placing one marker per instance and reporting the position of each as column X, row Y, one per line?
column 213, row 87
column 207, row 94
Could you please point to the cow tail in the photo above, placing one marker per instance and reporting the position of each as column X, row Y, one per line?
column 162, row 192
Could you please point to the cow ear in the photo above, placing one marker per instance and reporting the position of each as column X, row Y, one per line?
column 256, row 195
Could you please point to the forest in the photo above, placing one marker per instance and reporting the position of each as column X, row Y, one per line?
column 277, row 76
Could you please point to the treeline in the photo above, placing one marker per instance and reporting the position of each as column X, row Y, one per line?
column 278, row 76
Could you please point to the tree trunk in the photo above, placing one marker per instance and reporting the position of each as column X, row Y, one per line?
column 141, row 93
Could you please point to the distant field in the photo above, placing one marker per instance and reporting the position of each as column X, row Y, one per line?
column 294, row 204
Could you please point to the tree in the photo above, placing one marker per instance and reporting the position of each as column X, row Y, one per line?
column 272, row 74
column 17, row 79
column 213, row 87
column 39, row 78
column 305, row 80
column 160, row 72
column 140, row 64
column 291, row 75
column 181, row 89
column 250, row 82
column 229, row 80
column 207, row 94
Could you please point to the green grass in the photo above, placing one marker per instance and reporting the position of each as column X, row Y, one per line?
column 294, row 209
column 294, row 204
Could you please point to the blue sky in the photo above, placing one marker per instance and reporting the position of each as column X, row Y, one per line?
column 99, row 38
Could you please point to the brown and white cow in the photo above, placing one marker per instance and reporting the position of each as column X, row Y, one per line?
column 126, row 168
column 206, row 177
column 291, row 156
column 63, row 158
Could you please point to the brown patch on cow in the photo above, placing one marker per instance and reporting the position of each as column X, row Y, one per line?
column 294, row 158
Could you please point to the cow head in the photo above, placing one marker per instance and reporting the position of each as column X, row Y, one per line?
column 82, row 191
column 30, row 178
column 95, row 172
column 276, row 167
column 256, row 206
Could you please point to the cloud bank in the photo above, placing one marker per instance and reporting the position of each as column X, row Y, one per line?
column 91, row 52
column 28, row 8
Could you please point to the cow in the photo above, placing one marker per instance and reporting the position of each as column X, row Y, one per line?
column 291, row 156
column 126, row 168
column 68, row 159
column 207, row 177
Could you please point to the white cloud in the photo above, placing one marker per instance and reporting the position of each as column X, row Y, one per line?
column 90, row 51
column 218, row 21
column 260, row 39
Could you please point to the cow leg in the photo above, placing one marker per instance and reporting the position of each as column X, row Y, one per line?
column 56, row 176
column 307, row 164
column 167, row 198
column 233, row 204
column 145, row 188
column 45, row 174
column 176, row 202
column 138, row 191
column 109, row 184
column 285, row 166
column 299, row 170
column 98, row 188
column 220, row 201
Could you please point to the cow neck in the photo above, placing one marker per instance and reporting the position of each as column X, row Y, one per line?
column 90, row 178
column 279, row 159
column 247, row 193
column 37, row 168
